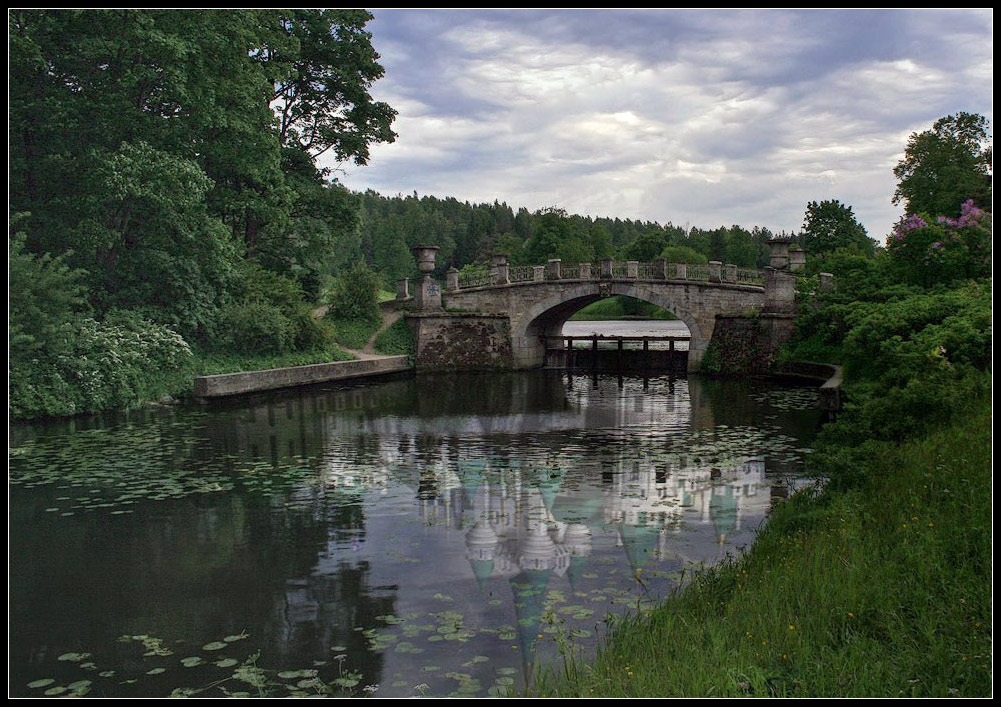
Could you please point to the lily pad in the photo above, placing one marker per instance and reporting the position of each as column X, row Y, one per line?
column 156, row 671
column 214, row 646
column 192, row 661
column 44, row 682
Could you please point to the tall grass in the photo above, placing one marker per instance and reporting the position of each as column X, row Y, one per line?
column 879, row 591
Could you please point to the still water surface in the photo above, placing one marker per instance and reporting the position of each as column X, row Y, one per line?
column 436, row 535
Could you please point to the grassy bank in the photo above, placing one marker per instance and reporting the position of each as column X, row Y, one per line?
column 880, row 591
column 621, row 307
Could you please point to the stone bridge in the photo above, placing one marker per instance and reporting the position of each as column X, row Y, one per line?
column 498, row 320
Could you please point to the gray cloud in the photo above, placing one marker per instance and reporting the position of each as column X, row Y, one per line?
column 699, row 117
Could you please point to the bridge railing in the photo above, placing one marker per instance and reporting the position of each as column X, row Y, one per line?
column 620, row 270
column 467, row 281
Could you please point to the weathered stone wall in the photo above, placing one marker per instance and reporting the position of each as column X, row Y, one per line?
column 255, row 381
column 747, row 345
column 459, row 341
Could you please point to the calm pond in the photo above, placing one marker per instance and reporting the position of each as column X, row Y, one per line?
column 431, row 535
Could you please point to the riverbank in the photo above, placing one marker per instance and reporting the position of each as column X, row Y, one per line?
column 880, row 591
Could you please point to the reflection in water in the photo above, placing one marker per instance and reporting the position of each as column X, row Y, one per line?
column 433, row 531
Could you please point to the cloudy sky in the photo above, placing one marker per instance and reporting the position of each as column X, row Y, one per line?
column 698, row 117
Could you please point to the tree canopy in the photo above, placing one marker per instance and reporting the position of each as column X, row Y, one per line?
column 829, row 226
column 945, row 166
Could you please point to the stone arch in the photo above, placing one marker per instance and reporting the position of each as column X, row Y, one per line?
column 548, row 315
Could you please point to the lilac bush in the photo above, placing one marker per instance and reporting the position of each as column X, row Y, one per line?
column 929, row 251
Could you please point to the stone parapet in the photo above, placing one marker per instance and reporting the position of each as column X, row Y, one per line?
column 294, row 376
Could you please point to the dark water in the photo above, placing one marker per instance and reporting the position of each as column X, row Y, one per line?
column 437, row 535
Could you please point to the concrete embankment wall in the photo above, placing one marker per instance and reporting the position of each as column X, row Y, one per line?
column 254, row 381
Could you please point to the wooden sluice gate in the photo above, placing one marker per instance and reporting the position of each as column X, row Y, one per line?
column 617, row 353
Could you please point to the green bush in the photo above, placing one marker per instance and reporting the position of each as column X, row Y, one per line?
column 355, row 296
column 254, row 326
column 104, row 366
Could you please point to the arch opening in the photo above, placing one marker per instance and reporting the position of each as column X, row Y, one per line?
column 545, row 320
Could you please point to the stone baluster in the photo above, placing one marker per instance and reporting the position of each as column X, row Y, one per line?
column 585, row 271
column 403, row 288
column 797, row 259
column 538, row 273
column 715, row 271
column 607, row 266
column 681, row 271
column 730, row 273
column 826, row 282
column 632, row 269
column 452, row 280
column 554, row 269
column 660, row 269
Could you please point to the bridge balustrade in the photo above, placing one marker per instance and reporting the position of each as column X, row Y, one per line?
column 621, row 270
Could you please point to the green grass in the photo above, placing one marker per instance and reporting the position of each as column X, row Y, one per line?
column 354, row 333
column 210, row 364
column 880, row 591
column 396, row 339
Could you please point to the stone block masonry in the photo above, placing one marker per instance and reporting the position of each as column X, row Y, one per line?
column 460, row 341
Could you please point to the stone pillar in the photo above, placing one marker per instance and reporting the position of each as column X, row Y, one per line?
column 606, row 268
column 826, row 282
column 499, row 268
column 715, row 271
column 585, row 271
column 730, row 273
column 780, row 253
column 681, row 271
column 428, row 292
column 554, row 269
column 538, row 273
column 403, row 288
column 780, row 291
column 452, row 280
column 660, row 269
column 797, row 259
column 632, row 269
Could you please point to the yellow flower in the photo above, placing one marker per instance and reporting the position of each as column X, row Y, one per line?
column 791, row 627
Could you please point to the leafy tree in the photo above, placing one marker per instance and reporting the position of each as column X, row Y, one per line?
column 550, row 229
column 683, row 254
column 646, row 247
column 945, row 166
column 831, row 225
column 322, row 72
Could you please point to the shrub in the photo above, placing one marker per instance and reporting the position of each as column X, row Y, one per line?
column 104, row 366
column 927, row 251
column 254, row 326
column 355, row 295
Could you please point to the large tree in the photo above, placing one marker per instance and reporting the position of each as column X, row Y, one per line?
column 829, row 226
column 945, row 166
column 322, row 70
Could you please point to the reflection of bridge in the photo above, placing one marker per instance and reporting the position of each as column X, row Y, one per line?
column 501, row 320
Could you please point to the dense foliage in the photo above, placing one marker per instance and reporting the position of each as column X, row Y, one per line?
column 947, row 165
column 164, row 166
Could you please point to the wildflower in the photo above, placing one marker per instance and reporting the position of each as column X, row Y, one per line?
column 791, row 627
